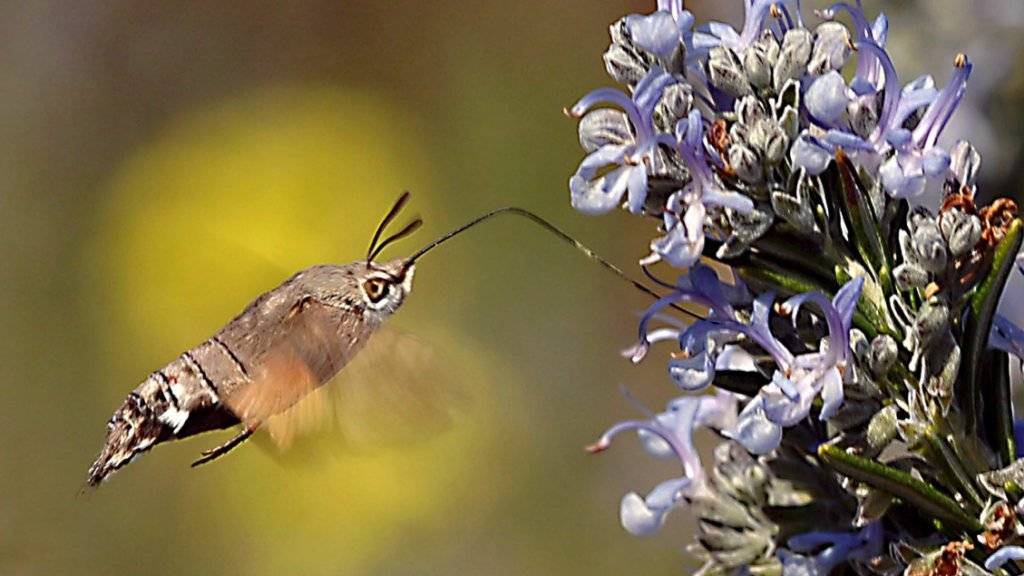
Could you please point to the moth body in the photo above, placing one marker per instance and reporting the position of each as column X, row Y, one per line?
column 286, row 343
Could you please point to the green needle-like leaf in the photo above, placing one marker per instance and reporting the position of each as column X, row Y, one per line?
column 974, row 346
column 867, row 238
column 901, row 485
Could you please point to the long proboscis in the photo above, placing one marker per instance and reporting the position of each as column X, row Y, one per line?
column 515, row 210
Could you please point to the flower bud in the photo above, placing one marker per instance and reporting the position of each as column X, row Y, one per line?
column 623, row 60
column 961, row 230
column 882, row 355
column 739, row 132
column 603, row 126
column 932, row 319
column 798, row 214
column 792, row 62
column 746, row 163
column 675, row 104
column 831, row 48
column 775, row 144
column 826, row 99
column 931, row 248
column 750, row 226
column 965, row 163
column 927, row 240
column 909, row 276
column 863, row 114
column 624, row 65
column 726, row 74
column 749, row 110
column 759, row 59
column 882, row 428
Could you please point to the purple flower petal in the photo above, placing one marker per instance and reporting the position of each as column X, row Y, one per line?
column 827, row 98
column 754, row 431
column 936, row 162
column 728, row 199
column 734, row 358
column 683, row 244
column 1004, row 555
column 918, row 94
column 808, row 153
column 597, row 196
column 941, row 109
column 692, row 374
column 847, row 141
column 845, row 301
column 638, row 518
column 657, row 33
column 831, row 394
column 637, row 187
column 1006, row 336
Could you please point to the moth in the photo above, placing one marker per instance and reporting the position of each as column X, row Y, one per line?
column 284, row 345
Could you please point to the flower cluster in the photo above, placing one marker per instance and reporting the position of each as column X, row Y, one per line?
column 848, row 353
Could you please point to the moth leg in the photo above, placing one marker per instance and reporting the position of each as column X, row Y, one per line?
column 214, row 453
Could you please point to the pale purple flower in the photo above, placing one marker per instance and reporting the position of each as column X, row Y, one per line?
column 714, row 34
column 918, row 156
column 869, row 76
column 827, row 98
column 670, row 435
column 754, row 431
column 596, row 194
column 698, row 341
column 663, row 31
column 1006, row 336
column 798, row 380
column 823, row 371
column 683, row 242
column 839, row 547
column 813, row 152
column 1002, row 556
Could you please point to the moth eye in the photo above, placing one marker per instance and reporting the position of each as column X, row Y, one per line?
column 375, row 289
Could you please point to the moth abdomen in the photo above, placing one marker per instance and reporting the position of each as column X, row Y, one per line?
column 134, row 428
column 180, row 400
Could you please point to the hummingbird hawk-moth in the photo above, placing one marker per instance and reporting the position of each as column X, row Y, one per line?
column 287, row 343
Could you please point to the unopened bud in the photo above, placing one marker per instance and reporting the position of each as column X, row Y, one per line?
column 882, row 355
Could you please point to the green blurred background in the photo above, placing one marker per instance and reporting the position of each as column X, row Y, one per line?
column 163, row 163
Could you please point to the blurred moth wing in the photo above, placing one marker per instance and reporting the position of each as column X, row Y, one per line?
column 396, row 391
column 304, row 354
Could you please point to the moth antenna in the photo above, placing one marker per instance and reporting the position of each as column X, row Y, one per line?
column 395, row 209
column 409, row 229
column 522, row 212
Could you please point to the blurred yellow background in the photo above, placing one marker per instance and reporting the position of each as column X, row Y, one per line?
column 163, row 163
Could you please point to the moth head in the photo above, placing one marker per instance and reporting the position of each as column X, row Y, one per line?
column 384, row 286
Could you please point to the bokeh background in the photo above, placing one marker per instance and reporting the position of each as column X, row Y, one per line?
column 161, row 163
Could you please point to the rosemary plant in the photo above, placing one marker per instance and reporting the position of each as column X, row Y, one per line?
column 847, row 349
